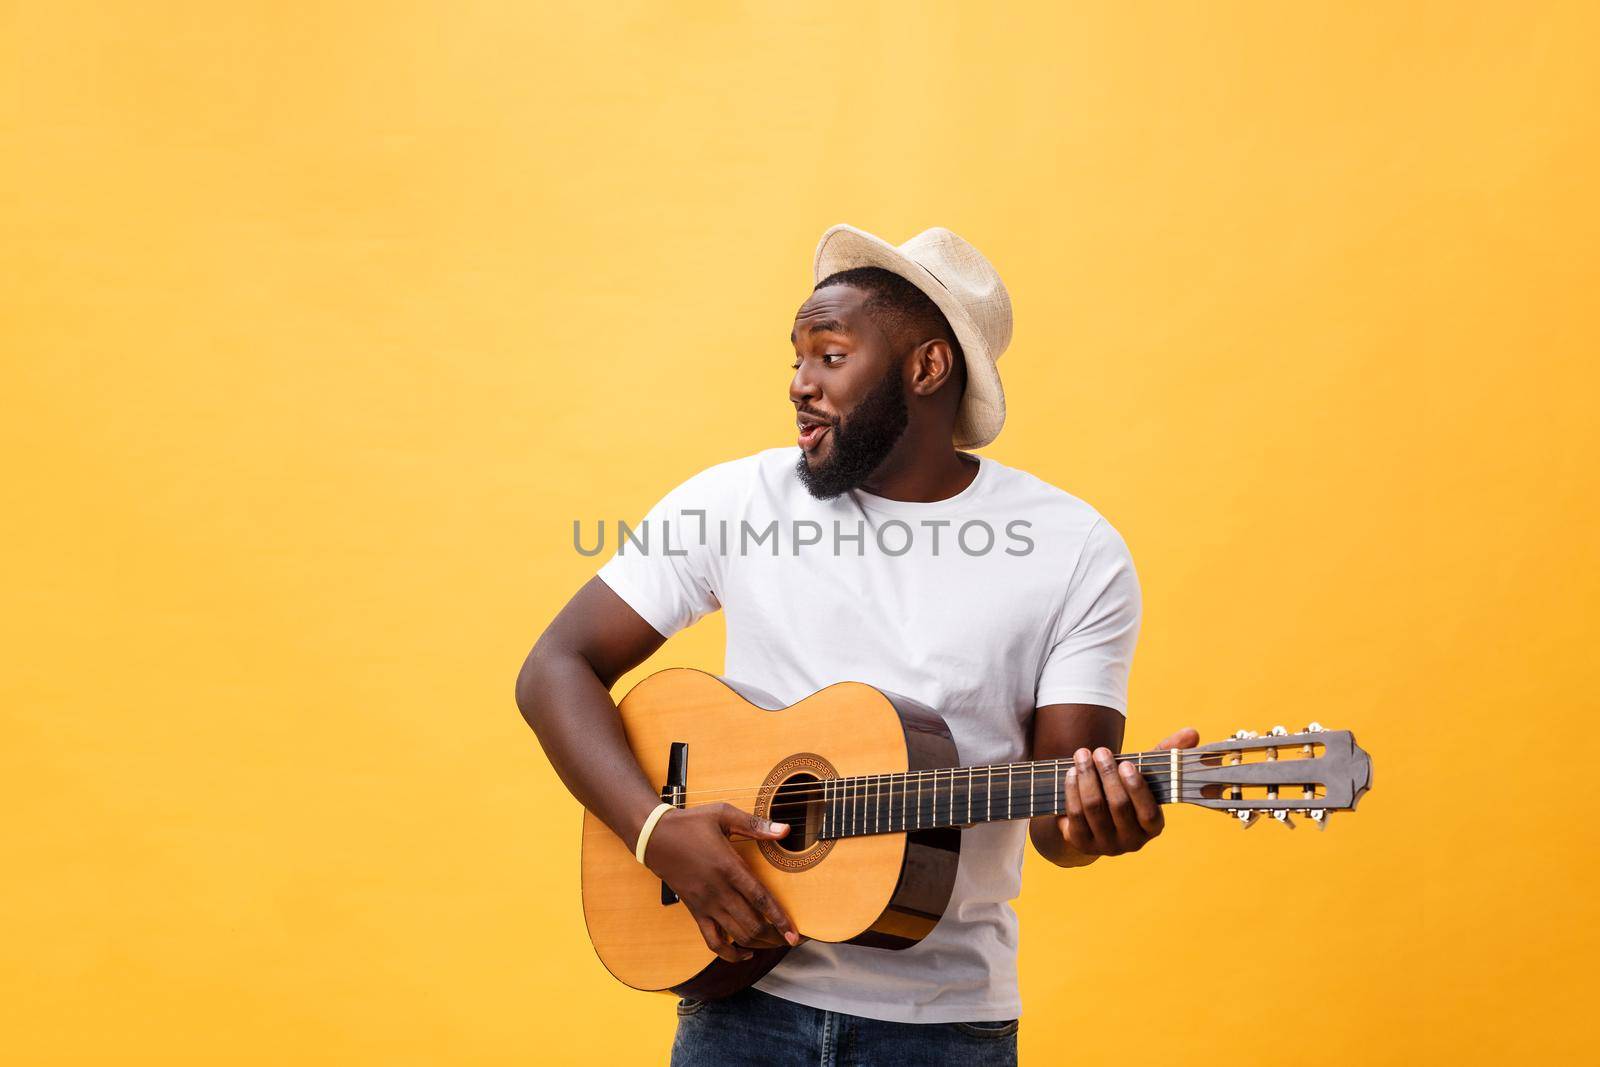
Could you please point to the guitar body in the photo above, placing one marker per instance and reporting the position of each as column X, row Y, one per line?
column 886, row 890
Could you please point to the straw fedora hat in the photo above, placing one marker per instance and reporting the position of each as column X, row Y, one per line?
column 965, row 287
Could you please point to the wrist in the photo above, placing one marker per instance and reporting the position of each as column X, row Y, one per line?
column 642, row 839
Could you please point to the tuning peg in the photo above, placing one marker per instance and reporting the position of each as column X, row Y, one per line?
column 1279, row 731
column 1246, row 816
column 1244, row 735
column 1314, row 728
column 1320, row 817
column 1282, row 815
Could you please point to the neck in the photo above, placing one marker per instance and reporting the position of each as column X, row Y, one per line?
column 964, row 796
column 922, row 468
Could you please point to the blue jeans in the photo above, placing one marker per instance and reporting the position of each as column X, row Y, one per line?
column 762, row 1030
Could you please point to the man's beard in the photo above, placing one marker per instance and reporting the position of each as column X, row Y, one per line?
column 862, row 440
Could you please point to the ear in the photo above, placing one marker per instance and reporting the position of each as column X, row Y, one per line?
column 931, row 366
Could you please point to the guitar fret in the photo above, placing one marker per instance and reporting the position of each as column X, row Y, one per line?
column 824, row 831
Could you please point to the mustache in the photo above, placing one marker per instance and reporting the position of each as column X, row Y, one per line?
column 819, row 416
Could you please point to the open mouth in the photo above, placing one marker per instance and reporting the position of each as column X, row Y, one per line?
column 811, row 435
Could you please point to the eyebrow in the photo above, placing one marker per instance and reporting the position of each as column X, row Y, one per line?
column 829, row 325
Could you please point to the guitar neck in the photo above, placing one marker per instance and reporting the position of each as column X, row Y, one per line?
column 964, row 796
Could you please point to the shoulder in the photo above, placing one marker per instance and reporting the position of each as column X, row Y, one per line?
column 1077, row 543
column 1068, row 515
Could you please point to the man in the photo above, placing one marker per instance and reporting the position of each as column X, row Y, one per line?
column 878, row 552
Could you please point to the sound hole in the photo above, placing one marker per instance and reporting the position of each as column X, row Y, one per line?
column 798, row 802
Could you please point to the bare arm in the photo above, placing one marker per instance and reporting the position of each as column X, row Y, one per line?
column 564, row 692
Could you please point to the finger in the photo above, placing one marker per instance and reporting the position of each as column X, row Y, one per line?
column 1073, row 825
column 1093, row 798
column 744, row 951
column 1129, row 835
column 738, row 823
column 718, row 942
column 765, row 904
column 1145, row 807
column 740, row 919
column 1188, row 737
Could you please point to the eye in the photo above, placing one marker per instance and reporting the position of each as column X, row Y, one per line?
column 829, row 359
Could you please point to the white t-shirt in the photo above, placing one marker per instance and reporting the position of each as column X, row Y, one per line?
column 1009, row 596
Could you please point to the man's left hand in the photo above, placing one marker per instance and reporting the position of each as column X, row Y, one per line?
column 1110, row 809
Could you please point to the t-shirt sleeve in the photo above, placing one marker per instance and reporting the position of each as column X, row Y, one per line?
column 663, row 567
column 1091, row 651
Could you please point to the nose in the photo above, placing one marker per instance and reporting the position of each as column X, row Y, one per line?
column 803, row 387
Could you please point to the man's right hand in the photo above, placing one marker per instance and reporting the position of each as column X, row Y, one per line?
column 689, row 849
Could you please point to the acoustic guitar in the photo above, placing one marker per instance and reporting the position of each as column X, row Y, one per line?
column 872, row 788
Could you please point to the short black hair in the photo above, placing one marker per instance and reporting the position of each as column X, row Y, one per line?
column 904, row 310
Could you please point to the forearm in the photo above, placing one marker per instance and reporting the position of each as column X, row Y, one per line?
column 571, row 712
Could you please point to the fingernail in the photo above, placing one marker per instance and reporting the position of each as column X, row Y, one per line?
column 777, row 827
column 792, row 937
column 1102, row 756
column 1128, row 771
column 1082, row 756
column 1072, row 774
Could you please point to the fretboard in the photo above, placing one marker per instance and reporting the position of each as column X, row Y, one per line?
column 963, row 796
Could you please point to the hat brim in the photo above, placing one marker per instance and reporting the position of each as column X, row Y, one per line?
column 983, row 404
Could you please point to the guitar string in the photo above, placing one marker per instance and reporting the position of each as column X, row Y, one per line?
column 862, row 809
column 1156, row 763
column 1153, row 762
column 880, row 802
column 850, row 829
column 865, row 791
column 865, row 794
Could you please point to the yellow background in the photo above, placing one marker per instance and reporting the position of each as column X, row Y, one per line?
column 322, row 322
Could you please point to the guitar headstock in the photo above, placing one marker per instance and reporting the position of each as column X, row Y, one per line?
column 1278, row 773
